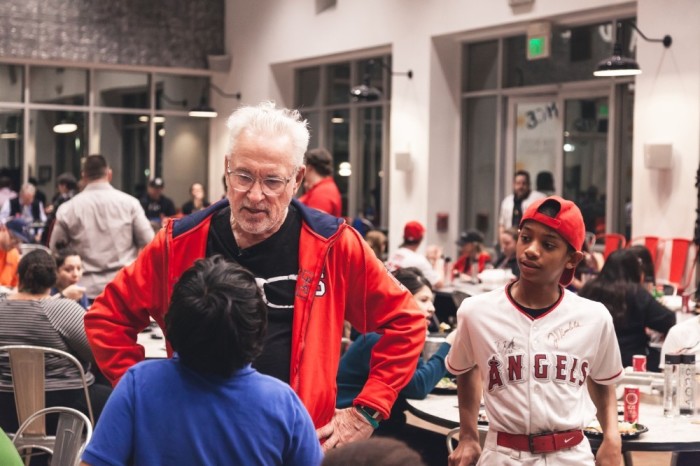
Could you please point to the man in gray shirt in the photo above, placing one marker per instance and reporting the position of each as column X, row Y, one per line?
column 104, row 225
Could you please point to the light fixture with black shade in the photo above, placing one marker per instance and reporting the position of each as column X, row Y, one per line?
column 619, row 65
column 204, row 110
column 365, row 92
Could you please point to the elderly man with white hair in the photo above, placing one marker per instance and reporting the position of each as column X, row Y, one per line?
column 313, row 270
column 26, row 207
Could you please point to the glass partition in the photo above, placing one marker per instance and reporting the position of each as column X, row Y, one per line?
column 11, row 82
column 121, row 89
column 58, row 85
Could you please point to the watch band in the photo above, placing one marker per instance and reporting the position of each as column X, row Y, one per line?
column 372, row 415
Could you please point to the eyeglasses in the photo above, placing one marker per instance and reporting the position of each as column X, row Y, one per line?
column 270, row 186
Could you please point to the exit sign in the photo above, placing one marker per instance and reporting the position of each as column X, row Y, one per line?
column 538, row 40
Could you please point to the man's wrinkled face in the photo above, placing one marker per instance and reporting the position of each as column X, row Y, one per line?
column 256, row 214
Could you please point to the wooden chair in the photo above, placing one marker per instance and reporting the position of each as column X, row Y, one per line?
column 66, row 446
column 27, row 367
column 611, row 242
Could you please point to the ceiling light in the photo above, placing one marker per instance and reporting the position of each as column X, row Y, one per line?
column 203, row 110
column 618, row 65
column 336, row 119
column 9, row 136
column 65, row 127
column 143, row 118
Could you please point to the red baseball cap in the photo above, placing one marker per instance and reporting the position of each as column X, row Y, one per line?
column 568, row 223
column 413, row 231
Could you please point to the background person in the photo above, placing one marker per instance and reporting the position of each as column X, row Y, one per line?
column 321, row 191
column 377, row 240
column 471, row 253
column 354, row 371
column 12, row 234
column 69, row 271
column 315, row 272
column 218, row 408
column 27, row 207
column 619, row 286
column 507, row 259
column 513, row 205
column 198, row 200
column 105, row 226
column 28, row 317
column 157, row 205
column 407, row 254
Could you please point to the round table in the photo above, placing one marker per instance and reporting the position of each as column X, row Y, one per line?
column 665, row 434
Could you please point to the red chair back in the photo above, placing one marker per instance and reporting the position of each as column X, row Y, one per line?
column 612, row 242
column 653, row 244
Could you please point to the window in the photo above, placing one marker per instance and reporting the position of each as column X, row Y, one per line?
column 137, row 119
column 541, row 116
column 355, row 132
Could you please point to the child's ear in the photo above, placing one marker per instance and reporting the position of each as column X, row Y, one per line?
column 574, row 258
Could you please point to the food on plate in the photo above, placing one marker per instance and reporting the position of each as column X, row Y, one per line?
column 446, row 383
column 625, row 428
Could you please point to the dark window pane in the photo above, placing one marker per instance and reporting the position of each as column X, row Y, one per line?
column 479, row 169
column 309, row 87
column 481, row 59
column 58, row 85
column 575, row 52
column 183, row 92
column 339, row 83
column 11, row 78
column 121, row 89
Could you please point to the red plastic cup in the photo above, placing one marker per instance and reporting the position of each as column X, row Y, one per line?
column 639, row 363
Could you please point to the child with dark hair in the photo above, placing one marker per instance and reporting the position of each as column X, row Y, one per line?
column 541, row 353
column 619, row 286
column 207, row 405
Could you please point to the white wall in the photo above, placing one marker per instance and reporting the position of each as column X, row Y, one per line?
column 667, row 110
column 266, row 38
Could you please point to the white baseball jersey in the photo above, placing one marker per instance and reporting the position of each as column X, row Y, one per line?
column 404, row 257
column 534, row 371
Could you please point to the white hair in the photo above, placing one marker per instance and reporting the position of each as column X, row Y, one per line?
column 28, row 188
column 266, row 119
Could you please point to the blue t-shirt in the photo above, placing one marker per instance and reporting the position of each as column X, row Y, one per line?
column 162, row 413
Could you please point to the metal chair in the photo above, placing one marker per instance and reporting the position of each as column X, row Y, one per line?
column 452, row 435
column 68, row 443
column 654, row 244
column 27, row 366
column 680, row 257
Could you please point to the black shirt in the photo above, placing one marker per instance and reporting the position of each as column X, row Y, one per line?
column 275, row 264
column 533, row 313
column 517, row 210
column 154, row 208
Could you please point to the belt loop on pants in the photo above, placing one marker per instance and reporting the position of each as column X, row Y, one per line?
column 540, row 443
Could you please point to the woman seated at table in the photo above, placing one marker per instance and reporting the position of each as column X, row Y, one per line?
column 354, row 365
column 69, row 271
column 31, row 317
column 471, row 254
column 619, row 286
column 507, row 260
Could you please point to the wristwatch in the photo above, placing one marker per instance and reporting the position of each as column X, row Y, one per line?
column 372, row 415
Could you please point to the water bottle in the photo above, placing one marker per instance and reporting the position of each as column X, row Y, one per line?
column 687, row 385
column 671, row 370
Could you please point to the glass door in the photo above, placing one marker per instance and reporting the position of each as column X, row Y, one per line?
column 585, row 158
column 534, row 140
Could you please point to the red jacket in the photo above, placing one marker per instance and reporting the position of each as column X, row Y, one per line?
column 325, row 197
column 355, row 286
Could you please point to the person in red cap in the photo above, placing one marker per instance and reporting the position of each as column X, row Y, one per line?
column 540, row 353
column 407, row 255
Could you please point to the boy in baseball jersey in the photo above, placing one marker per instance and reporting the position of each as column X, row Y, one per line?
column 540, row 353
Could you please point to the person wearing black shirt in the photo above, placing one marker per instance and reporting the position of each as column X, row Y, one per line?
column 155, row 204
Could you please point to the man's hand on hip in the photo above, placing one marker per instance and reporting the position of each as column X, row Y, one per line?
column 347, row 426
